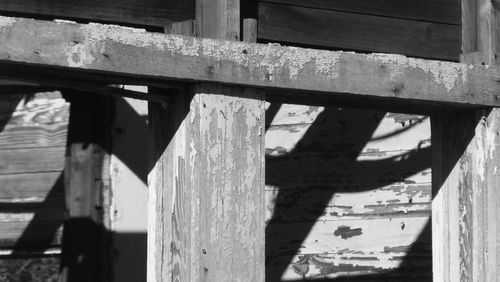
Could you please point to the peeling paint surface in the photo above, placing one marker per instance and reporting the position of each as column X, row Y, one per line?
column 328, row 214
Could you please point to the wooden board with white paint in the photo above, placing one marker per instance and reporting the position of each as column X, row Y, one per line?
column 348, row 194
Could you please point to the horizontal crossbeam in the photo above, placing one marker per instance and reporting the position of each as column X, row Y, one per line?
column 135, row 53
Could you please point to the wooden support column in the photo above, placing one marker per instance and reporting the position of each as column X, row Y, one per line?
column 86, row 254
column 466, row 160
column 207, row 183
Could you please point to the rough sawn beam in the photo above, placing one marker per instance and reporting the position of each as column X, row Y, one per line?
column 134, row 52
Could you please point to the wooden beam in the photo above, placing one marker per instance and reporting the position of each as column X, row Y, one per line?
column 86, row 253
column 466, row 241
column 207, row 200
column 106, row 49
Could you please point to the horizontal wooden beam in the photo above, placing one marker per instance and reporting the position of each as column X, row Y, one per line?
column 108, row 49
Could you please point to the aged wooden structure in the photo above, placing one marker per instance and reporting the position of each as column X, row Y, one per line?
column 288, row 140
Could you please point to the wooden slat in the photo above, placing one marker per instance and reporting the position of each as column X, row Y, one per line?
column 29, row 187
column 133, row 52
column 33, row 121
column 208, row 178
column 399, row 200
column 34, row 136
column 326, row 166
column 26, row 160
column 372, row 236
column 42, row 236
column 354, row 248
column 350, row 31
column 152, row 12
column 439, row 11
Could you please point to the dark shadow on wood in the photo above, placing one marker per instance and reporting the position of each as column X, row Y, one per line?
column 42, row 231
column 342, row 156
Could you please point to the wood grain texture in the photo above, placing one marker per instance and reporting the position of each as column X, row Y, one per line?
column 358, row 32
column 11, row 230
column 25, row 160
column 208, row 178
column 328, row 184
column 153, row 13
column 166, row 132
column 29, row 187
column 41, row 135
column 210, row 202
column 466, row 242
column 136, row 53
column 441, row 11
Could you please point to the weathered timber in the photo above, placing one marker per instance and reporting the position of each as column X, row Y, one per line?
column 25, row 160
column 152, row 13
column 335, row 170
column 86, row 247
column 60, row 83
column 441, row 11
column 29, row 187
column 207, row 204
column 33, row 121
column 32, row 148
column 132, row 52
column 465, row 208
column 43, row 135
column 358, row 32
column 192, row 176
column 42, row 237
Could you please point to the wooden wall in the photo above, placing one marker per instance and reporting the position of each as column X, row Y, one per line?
column 348, row 193
column 428, row 29
column 33, row 130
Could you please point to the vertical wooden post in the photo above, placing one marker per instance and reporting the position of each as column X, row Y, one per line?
column 86, row 240
column 207, row 184
column 465, row 163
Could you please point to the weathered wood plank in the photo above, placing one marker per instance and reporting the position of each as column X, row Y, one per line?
column 326, row 131
column 87, row 190
column 32, row 148
column 393, row 201
column 29, row 187
column 29, row 121
column 370, row 236
column 153, row 13
column 465, row 209
column 208, row 179
column 210, row 219
column 44, row 135
column 32, row 109
column 42, row 237
column 137, row 53
column 441, row 11
column 327, row 165
column 358, row 32
column 166, row 226
column 25, row 160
